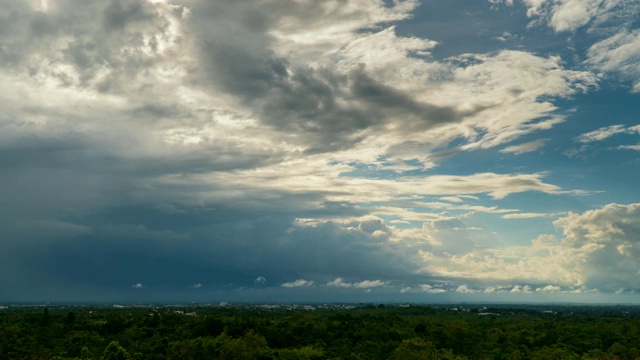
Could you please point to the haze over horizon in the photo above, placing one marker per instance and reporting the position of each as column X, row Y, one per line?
column 347, row 150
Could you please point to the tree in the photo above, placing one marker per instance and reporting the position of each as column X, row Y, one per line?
column 46, row 318
column 415, row 348
column 251, row 346
column 114, row 351
column 71, row 317
column 85, row 353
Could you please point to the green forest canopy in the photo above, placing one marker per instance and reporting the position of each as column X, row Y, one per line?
column 285, row 332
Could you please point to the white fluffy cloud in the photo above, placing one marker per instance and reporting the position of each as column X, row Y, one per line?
column 297, row 283
column 549, row 288
column 464, row 289
column 599, row 250
column 571, row 15
column 607, row 241
column 365, row 284
column 432, row 289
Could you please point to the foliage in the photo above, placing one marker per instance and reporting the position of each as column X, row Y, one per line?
column 367, row 332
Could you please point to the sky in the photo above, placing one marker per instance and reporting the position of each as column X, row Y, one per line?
column 336, row 150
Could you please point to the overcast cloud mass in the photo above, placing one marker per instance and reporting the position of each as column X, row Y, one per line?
column 334, row 150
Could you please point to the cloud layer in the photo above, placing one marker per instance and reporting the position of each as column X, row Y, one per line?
column 294, row 146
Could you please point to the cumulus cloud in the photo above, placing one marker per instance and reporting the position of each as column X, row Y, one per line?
column 137, row 286
column 549, row 288
column 297, row 283
column 612, row 224
column 365, row 284
column 499, row 289
column 598, row 250
column 339, row 282
column 431, row 289
column 464, row 289
column 526, row 289
column 570, row 15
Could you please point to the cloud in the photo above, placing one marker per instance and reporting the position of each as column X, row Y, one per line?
column 617, row 54
column 506, row 85
column 431, row 289
column 342, row 98
column 498, row 289
column 339, row 282
column 222, row 140
column 629, row 147
column 197, row 286
column 138, row 286
column 571, row 15
column 339, row 187
column 612, row 224
column 297, row 283
column 464, row 289
column 549, row 288
column 525, row 147
column 530, row 215
column 598, row 250
column 609, row 21
column 223, row 131
column 526, row 289
column 545, row 260
column 602, row 134
column 365, row 284
column 605, row 133
column 505, row 2
column 453, row 199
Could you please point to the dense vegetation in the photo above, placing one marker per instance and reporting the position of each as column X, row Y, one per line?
column 368, row 332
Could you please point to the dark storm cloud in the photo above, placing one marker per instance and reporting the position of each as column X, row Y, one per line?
column 119, row 13
column 385, row 98
column 231, row 253
column 304, row 102
column 93, row 36
column 33, row 150
column 321, row 108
